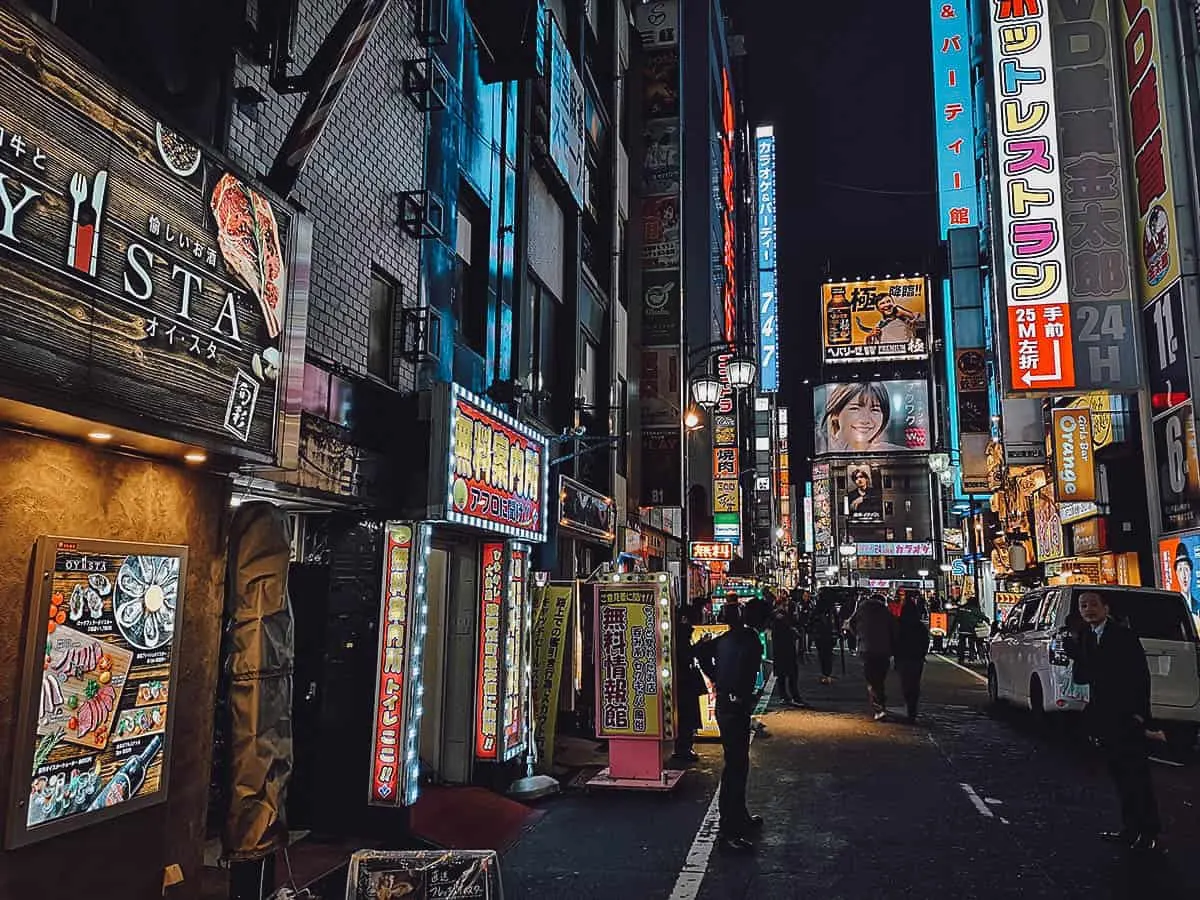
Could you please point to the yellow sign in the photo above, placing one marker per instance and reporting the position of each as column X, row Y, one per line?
column 869, row 320
column 1074, row 455
column 630, row 691
column 551, row 620
column 1157, row 229
column 725, row 495
column 708, row 703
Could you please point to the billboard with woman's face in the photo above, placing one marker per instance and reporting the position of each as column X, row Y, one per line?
column 871, row 417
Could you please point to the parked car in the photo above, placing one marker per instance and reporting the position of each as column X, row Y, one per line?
column 1030, row 668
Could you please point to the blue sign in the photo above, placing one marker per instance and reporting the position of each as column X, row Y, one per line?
column 954, row 114
column 768, row 307
column 958, row 567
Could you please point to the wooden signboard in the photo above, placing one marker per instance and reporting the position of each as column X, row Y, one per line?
column 143, row 282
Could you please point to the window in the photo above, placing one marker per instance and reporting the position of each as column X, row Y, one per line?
column 1029, row 608
column 887, row 481
column 908, row 534
column 380, row 327
column 1048, row 611
column 1157, row 616
column 544, row 351
column 587, row 373
column 888, row 509
column 908, row 506
column 470, row 291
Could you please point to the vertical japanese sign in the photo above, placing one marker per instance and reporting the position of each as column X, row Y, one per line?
column 566, row 113
column 1157, row 232
column 551, row 618
column 632, row 676
column 657, row 23
column 1035, row 294
column 1074, row 460
column 809, row 537
column 487, row 687
column 1094, row 197
column 768, row 306
column 954, row 114
column 393, row 686
column 516, row 652
column 822, row 515
column 726, row 496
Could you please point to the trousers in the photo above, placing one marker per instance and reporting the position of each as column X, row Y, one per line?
column 734, row 721
column 910, row 682
column 825, row 655
column 1129, row 766
column 875, row 668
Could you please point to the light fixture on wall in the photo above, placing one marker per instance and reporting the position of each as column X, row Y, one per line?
column 706, row 390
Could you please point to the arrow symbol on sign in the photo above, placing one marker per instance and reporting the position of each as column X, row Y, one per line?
column 384, row 791
column 1029, row 378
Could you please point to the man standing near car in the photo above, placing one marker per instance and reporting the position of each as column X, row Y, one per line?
column 732, row 662
column 1109, row 659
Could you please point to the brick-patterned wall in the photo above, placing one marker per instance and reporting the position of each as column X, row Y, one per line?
column 372, row 149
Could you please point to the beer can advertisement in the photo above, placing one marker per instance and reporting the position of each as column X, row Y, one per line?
column 95, row 709
column 871, row 417
column 869, row 320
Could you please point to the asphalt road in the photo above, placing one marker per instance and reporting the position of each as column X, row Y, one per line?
column 968, row 803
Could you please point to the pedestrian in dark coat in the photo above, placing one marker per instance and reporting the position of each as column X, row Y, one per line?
column 875, row 627
column 784, row 636
column 912, row 643
column 1109, row 659
column 824, row 629
column 690, row 686
column 732, row 662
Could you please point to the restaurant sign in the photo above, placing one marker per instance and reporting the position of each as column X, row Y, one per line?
column 97, row 698
column 394, row 746
column 711, row 551
column 633, row 658
column 495, row 472
column 143, row 281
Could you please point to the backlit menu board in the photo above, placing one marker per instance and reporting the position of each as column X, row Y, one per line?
column 96, row 705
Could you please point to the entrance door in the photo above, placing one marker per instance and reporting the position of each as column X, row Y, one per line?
column 308, row 590
column 462, row 643
column 434, row 665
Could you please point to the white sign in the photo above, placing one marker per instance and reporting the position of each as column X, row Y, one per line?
column 1030, row 199
column 888, row 548
column 657, row 23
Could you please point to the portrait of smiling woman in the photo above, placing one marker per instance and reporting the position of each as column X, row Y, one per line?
column 856, row 419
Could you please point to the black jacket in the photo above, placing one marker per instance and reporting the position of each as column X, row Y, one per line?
column 912, row 636
column 732, row 662
column 1115, row 669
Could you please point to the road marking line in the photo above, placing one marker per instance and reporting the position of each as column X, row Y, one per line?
column 977, row 801
column 1165, row 762
column 958, row 665
column 691, row 876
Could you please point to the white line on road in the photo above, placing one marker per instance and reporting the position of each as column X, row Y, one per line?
column 979, row 803
column 687, row 885
column 958, row 665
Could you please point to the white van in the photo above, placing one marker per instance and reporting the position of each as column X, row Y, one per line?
column 1028, row 666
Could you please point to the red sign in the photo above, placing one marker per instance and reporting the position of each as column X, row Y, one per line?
column 487, row 687
column 387, row 748
column 515, row 656
column 497, row 474
column 711, row 551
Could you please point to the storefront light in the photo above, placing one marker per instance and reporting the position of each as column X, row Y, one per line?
column 195, row 457
column 100, row 436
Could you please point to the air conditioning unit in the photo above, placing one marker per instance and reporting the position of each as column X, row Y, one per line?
column 420, row 333
column 433, row 22
column 421, row 214
column 425, row 83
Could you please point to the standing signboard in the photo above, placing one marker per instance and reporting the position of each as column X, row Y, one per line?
column 553, row 606
column 95, row 708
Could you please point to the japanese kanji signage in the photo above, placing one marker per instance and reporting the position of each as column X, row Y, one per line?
column 822, row 514
column 392, row 743
column 1098, row 270
column 516, row 652
column 496, row 475
column 488, row 673
column 726, row 496
column 143, row 282
column 1157, row 231
column 954, row 114
column 881, row 319
column 552, row 608
column 711, row 551
column 768, row 305
column 566, row 113
column 1029, row 193
column 633, row 658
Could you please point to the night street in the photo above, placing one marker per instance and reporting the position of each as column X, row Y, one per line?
column 964, row 804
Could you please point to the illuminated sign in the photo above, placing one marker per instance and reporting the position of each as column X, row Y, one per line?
column 487, row 687
column 495, row 477
column 1035, row 292
column 879, row 319
column 516, row 653
column 768, row 306
column 711, row 551
column 809, row 542
column 887, row 548
column 394, row 747
column 1073, row 455
column 728, row 206
column 954, row 114
column 1157, row 232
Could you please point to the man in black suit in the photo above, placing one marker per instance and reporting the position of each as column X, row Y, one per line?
column 1110, row 659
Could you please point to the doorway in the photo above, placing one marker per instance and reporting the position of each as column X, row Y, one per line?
column 434, row 664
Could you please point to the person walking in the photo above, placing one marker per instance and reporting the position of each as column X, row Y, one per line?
column 874, row 628
column 1110, row 659
column 824, row 631
column 690, row 684
column 732, row 662
column 784, row 636
column 912, row 644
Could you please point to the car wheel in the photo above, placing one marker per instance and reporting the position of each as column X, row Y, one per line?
column 1037, row 702
column 993, row 685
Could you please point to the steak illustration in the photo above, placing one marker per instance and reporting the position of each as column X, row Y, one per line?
column 248, row 236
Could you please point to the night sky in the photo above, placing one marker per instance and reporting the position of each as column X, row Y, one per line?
column 850, row 98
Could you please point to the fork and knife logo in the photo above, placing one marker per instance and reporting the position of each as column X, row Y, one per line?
column 84, row 246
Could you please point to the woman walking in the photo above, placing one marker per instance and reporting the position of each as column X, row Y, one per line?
column 912, row 643
column 783, row 647
column 824, row 630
